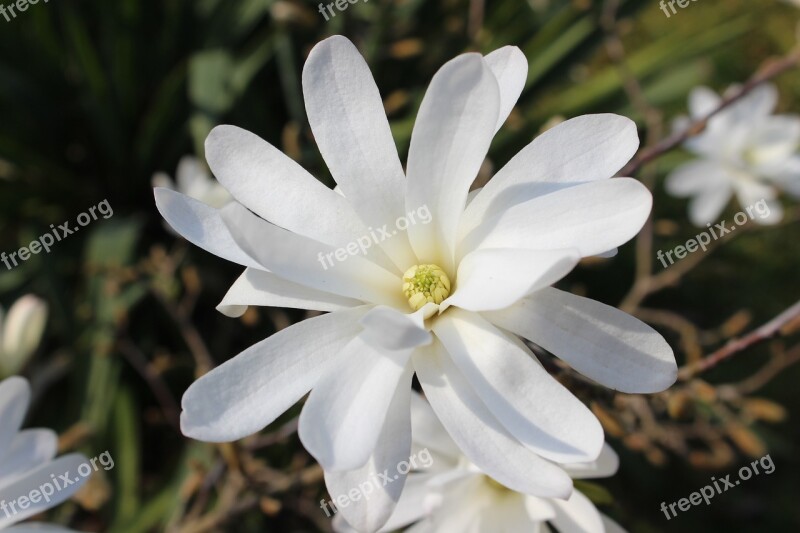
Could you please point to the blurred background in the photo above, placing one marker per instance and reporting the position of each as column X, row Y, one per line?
column 96, row 97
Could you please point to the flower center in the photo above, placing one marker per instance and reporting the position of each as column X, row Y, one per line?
column 425, row 283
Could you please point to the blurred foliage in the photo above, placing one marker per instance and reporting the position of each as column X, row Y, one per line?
column 95, row 96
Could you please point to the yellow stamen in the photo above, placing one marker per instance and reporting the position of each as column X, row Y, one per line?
column 425, row 283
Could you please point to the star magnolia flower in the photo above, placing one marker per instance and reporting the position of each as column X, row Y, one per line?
column 449, row 493
column 21, row 332
column 744, row 150
column 27, row 462
column 484, row 271
column 193, row 180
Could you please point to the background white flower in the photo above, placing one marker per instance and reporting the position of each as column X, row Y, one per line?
column 484, row 271
column 21, row 330
column 193, row 179
column 453, row 495
column 27, row 460
column 744, row 151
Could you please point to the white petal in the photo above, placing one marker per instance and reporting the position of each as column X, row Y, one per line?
column 703, row 101
column 539, row 509
column 492, row 279
column 586, row 148
column 375, row 499
column 15, row 396
column 37, row 527
column 510, row 66
column 605, row 466
column 260, row 288
column 592, row 217
column 29, row 449
column 22, row 332
column 599, row 341
column 611, row 526
column 302, row 260
column 761, row 199
column 428, row 431
column 389, row 329
column 344, row 413
column 528, row 401
column 696, row 176
column 707, row 206
column 758, row 104
column 42, row 476
column 201, row 225
column 478, row 433
column 411, row 506
column 246, row 393
column 577, row 515
column 272, row 185
column 774, row 140
column 451, row 137
column 346, row 114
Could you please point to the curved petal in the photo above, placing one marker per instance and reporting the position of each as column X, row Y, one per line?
column 478, row 433
column 346, row 114
column 388, row 329
column 302, row 260
column 43, row 475
column 29, row 449
column 428, row 431
column 610, row 525
column 492, row 279
column 451, row 137
column 15, row 396
column 37, row 527
column 703, row 101
column 760, row 200
column 510, row 67
column 774, row 140
column 707, row 206
column 696, row 176
column 592, row 217
column 376, row 499
column 343, row 416
column 261, row 288
column 605, row 466
column 599, row 341
column 582, row 149
column 201, row 225
column 248, row 392
column 272, row 185
column 540, row 412
column 577, row 515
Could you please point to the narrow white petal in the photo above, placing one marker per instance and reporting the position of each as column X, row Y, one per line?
column 610, row 525
column 29, row 449
column 761, row 200
column 696, row 176
column 707, row 206
column 577, row 515
column 428, row 431
column 276, row 188
column 586, row 148
column 703, row 101
column 528, row 401
column 592, row 217
column 15, row 396
column 305, row 261
column 451, row 137
column 484, row 440
column 346, row 114
column 201, row 225
column 375, row 499
column 411, row 506
column 510, row 67
column 248, row 392
column 599, row 341
column 344, row 413
column 389, row 329
column 604, row 466
column 38, row 477
column 492, row 279
column 260, row 288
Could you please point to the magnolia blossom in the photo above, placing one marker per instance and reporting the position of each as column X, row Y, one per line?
column 27, row 463
column 21, row 332
column 744, row 151
column 452, row 494
column 448, row 300
column 193, row 179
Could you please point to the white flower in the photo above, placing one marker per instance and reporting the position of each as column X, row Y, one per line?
column 452, row 494
column 194, row 180
column 492, row 263
column 745, row 151
column 21, row 332
column 27, row 461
